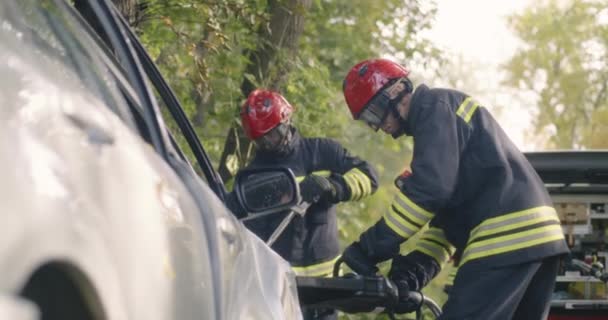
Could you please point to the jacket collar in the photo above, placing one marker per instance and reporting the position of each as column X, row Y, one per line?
column 415, row 108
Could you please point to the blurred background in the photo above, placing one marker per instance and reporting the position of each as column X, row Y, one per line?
column 538, row 65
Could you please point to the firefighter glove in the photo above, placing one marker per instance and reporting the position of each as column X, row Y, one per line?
column 315, row 188
column 357, row 259
column 404, row 269
column 408, row 301
column 404, row 276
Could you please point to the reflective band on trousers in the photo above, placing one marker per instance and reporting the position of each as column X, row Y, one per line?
column 433, row 243
column 513, row 231
column 405, row 217
column 359, row 183
column 467, row 109
column 317, row 270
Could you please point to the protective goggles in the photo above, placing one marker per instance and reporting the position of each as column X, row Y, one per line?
column 274, row 138
column 379, row 106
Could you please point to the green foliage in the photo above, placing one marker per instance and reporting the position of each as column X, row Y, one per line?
column 342, row 32
column 199, row 47
column 564, row 63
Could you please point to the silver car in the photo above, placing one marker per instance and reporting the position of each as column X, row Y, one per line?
column 102, row 215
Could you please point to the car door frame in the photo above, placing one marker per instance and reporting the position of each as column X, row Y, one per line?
column 120, row 38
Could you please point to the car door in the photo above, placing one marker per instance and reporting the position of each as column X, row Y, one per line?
column 189, row 260
column 97, row 195
column 251, row 280
column 255, row 281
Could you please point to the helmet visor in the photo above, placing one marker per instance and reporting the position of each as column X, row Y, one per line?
column 274, row 138
column 376, row 111
column 374, row 114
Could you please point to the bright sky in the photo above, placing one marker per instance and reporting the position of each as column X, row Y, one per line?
column 477, row 30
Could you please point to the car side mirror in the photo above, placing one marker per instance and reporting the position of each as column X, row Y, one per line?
column 263, row 191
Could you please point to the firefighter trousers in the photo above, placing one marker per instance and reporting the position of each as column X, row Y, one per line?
column 518, row 292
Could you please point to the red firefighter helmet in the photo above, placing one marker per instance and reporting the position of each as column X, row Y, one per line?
column 264, row 110
column 366, row 79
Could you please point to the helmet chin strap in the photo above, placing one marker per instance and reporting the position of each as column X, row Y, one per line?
column 403, row 129
column 286, row 146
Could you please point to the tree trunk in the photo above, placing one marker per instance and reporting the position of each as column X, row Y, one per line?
column 132, row 10
column 271, row 62
column 270, row 65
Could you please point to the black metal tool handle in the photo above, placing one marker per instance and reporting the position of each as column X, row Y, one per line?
column 414, row 296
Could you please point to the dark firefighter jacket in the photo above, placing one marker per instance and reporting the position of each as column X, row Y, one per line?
column 471, row 183
column 310, row 243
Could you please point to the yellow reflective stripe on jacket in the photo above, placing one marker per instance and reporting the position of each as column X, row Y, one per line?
column 405, row 217
column 434, row 243
column 451, row 276
column 317, row 270
column 466, row 109
column 419, row 215
column 359, row 184
column 322, row 173
column 514, row 231
column 437, row 235
column 514, row 220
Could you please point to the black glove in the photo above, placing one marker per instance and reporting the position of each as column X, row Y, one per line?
column 315, row 188
column 369, row 299
column 356, row 258
column 403, row 271
column 411, row 273
column 406, row 302
column 406, row 281
column 376, row 244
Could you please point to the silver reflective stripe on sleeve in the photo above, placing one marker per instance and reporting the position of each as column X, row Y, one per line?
column 405, row 217
column 434, row 243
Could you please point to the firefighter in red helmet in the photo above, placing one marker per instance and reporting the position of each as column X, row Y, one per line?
column 328, row 174
column 266, row 120
column 472, row 192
